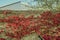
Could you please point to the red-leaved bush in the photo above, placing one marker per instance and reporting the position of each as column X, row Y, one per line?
column 20, row 26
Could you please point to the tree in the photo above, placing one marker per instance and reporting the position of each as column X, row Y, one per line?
column 47, row 3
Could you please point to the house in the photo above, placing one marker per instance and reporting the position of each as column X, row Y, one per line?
column 16, row 6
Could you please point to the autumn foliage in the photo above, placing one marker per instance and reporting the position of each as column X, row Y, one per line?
column 47, row 25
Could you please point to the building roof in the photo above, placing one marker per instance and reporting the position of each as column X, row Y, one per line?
column 10, row 4
column 15, row 6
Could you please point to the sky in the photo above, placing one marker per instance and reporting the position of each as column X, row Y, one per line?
column 6, row 2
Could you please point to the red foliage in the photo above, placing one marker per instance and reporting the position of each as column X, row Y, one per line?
column 47, row 37
column 22, row 26
column 58, row 38
column 2, row 39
